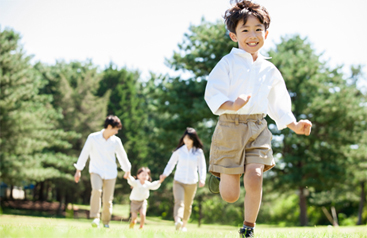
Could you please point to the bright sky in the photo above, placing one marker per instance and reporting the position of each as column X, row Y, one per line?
column 140, row 34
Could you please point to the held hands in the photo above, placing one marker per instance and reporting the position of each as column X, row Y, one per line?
column 126, row 175
column 303, row 127
column 201, row 184
column 77, row 176
column 162, row 178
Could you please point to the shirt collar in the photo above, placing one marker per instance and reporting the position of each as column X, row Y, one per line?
column 245, row 54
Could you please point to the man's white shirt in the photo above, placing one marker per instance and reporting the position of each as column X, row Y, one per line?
column 103, row 155
column 140, row 191
column 189, row 163
column 237, row 74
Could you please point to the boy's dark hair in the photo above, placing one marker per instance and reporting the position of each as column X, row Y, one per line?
column 112, row 120
column 193, row 136
column 146, row 169
column 241, row 10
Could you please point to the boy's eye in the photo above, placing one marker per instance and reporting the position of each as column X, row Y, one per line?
column 259, row 29
column 245, row 31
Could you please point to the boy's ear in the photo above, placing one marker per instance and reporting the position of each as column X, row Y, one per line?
column 233, row 36
column 266, row 34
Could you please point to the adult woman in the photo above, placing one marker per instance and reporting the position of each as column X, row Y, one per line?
column 190, row 160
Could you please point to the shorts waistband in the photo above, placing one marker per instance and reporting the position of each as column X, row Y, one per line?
column 240, row 118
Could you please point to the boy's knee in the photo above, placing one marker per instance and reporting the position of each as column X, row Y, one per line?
column 253, row 179
column 230, row 197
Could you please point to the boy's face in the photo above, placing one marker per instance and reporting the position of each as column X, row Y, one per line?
column 251, row 36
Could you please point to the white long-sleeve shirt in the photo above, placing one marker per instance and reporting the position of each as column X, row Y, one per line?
column 237, row 74
column 189, row 163
column 140, row 191
column 103, row 155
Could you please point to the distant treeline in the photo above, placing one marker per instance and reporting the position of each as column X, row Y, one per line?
column 47, row 112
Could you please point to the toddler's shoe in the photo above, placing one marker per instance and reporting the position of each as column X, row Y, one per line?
column 214, row 184
column 132, row 224
column 246, row 232
column 184, row 229
column 95, row 222
column 106, row 226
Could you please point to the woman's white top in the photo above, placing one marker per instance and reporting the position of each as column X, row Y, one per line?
column 236, row 74
column 140, row 191
column 189, row 163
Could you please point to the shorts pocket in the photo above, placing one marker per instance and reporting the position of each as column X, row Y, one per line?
column 227, row 144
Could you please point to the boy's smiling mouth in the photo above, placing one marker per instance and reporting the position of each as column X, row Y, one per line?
column 253, row 43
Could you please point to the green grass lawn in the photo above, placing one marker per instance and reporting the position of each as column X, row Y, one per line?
column 28, row 226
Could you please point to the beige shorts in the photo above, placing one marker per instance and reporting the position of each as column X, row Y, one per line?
column 239, row 140
column 138, row 206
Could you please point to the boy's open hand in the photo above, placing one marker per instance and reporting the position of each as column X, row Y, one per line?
column 241, row 101
column 303, row 127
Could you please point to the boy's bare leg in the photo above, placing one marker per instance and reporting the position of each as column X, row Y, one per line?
column 229, row 187
column 253, row 180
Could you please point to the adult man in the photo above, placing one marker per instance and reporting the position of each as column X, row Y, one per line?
column 103, row 147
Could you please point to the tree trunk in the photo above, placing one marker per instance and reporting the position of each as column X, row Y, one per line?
column 303, row 207
column 35, row 192
column 59, row 199
column 11, row 197
column 200, row 210
column 25, row 194
column 361, row 203
column 41, row 196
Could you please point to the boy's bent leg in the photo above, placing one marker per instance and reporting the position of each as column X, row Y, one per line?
column 252, row 180
column 95, row 198
column 229, row 187
column 108, row 190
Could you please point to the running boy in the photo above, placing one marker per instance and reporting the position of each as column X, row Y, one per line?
column 140, row 194
column 242, row 88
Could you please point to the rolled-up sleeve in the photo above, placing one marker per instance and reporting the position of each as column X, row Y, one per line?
column 217, row 87
column 83, row 157
column 280, row 104
column 122, row 157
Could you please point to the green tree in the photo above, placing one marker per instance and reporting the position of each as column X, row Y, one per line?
column 179, row 101
column 28, row 121
column 74, row 87
column 316, row 163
